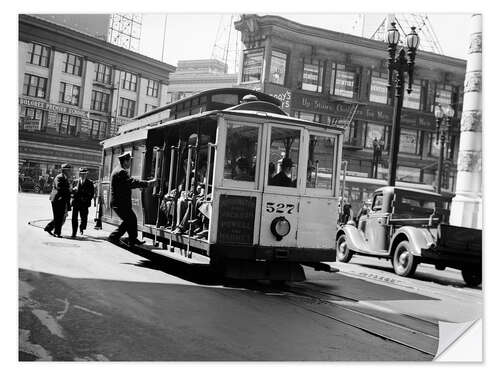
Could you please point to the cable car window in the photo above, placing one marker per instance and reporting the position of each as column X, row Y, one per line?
column 320, row 162
column 225, row 99
column 241, row 152
column 283, row 157
column 135, row 168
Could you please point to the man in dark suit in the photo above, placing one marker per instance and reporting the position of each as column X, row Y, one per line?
column 60, row 200
column 121, row 200
column 83, row 193
column 283, row 178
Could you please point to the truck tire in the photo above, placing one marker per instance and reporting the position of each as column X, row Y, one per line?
column 344, row 255
column 472, row 276
column 403, row 262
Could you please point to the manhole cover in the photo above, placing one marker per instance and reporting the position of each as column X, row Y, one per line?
column 59, row 244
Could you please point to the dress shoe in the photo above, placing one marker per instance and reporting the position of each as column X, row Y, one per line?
column 139, row 242
column 48, row 231
column 81, row 233
column 73, row 235
column 57, row 235
column 114, row 240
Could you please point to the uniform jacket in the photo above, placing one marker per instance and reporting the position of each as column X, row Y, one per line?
column 281, row 179
column 83, row 194
column 121, row 186
column 60, row 190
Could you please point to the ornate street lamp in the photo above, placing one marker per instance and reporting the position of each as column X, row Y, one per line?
column 399, row 65
column 443, row 136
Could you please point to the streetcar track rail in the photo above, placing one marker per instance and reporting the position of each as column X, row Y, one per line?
column 425, row 341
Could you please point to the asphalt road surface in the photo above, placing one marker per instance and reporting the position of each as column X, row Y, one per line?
column 89, row 300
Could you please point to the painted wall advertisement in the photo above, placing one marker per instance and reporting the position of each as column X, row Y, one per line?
column 282, row 93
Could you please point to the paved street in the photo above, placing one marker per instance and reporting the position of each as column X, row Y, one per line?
column 87, row 299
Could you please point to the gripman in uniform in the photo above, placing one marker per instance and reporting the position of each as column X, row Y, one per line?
column 121, row 201
column 60, row 200
column 83, row 193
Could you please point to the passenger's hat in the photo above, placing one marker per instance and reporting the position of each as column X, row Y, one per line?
column 83, row 170
column 125, row 156
column 66, row 166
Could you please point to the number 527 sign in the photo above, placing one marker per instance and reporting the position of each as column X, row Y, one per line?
column 280, row 208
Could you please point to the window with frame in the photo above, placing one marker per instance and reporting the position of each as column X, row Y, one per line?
column 102, row 73
column 241, row 152
column 34, row 86
column 99, row 101
column 378, row 87
column 38, row 55
column 408, row 174
column 68, row 125
column 376, row 133
column 127, row 107
column 98, row 129
column 149, row 107
column 152, row 88
column 278, row 67
column 73, row 65
column 36, row 114
column 283, row 157
column 377, row 202
column 253, row 61
column 320, row 162
column 354, row 134
column 344, row 81
column 129, row 81
column 408, row 141
column 69, row 94
column 413, row 100
column 312, row 76
column 444, row 95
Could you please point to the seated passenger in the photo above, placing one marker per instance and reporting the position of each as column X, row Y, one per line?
column 241, row 170
column 283, row 178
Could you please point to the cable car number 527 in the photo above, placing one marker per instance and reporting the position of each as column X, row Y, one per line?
column 280, row 208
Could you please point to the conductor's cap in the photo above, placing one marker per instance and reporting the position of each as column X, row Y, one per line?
column 125, row 156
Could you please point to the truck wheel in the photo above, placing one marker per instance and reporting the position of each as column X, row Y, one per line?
column 344, row 255
column 472, row 276
column 403, row 262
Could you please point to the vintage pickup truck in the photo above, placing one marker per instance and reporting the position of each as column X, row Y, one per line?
column 409, row 227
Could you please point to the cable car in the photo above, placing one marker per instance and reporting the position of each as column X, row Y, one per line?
column 239, row 182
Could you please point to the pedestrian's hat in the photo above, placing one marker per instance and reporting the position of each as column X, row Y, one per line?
column 83, row 170
column 66, row 166
column 125, row 156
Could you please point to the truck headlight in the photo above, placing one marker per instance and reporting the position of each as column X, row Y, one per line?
column 280, row 227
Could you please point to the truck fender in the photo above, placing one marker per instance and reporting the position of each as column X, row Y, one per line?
column 355, row 241
column 418, row 238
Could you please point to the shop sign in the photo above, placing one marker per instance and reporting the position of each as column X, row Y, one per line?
column 282, row 93
column 32, row 124
column 53, row 107
column 371, row 113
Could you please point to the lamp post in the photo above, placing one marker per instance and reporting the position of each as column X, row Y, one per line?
column 399, row 65
column 442, row 136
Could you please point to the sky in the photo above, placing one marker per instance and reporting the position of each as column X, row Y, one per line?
column 208, row 29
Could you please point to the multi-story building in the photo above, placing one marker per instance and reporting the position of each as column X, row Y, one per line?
column 332, row 77
column 74, row 91
column 193, row 76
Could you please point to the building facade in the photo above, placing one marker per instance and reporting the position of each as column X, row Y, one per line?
column 332, row 77
column 76, row 90
column 192, row 76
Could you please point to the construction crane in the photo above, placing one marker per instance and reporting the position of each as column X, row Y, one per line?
column 227, row 44
column 428, row 39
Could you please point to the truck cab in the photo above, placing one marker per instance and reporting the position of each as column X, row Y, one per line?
column 411, row 226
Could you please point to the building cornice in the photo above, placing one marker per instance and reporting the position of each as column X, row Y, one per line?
column 33, row 29
column 282, row 28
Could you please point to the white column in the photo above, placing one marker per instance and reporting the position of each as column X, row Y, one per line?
column 467, row 208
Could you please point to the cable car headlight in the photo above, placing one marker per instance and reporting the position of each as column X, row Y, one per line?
column 280, row 227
